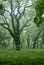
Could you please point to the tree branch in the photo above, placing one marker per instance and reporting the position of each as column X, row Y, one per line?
column 12, row 17
column 25, row 25
column 30, row 5
column 21, row 14
column 7, row 11
column 6, row 27
column 5, row 21
column 3, row 24
column 10, row 31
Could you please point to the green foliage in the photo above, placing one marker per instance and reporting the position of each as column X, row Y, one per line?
column 1, row 9
column 38, row 21
column 39, row 8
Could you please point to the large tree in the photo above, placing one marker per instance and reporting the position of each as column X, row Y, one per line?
column 11, row 14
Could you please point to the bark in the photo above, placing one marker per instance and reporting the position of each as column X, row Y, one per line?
column 17, row 41
column 17, row 36
column 18, row 44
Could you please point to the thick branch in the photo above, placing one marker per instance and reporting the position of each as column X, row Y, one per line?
column 12, row 17
column 7, row 11
column 3, row 24
column 21, row 14
column 25, row 25
column 5, row 21
column 10, row 31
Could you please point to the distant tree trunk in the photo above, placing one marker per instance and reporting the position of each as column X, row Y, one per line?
column 37, row 45
column 28, row 40
column 36, row 38
column 28, row 43
column 43, row 35
column 13, row 44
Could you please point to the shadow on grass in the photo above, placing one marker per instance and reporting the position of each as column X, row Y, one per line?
column 5, row 63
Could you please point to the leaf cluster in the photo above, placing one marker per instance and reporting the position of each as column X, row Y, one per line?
column 39, row 8
column 1, row 9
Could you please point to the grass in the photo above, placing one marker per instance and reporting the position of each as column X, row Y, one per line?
column 23, row 57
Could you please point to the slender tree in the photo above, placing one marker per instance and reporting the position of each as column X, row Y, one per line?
column 36, row 39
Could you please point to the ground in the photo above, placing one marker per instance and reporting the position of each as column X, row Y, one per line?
column 22, row 57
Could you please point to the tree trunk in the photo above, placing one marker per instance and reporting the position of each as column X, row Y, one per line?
column 17, row 42
column 28, row 42
column 36, row 39
column 17, row 36
column 43, row 35
column 13, row 44
column 17, row 46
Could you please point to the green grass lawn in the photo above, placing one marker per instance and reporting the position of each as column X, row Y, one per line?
column 23, row 57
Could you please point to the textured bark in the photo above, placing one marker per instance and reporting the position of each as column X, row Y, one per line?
column 17, row 42
column 17, row 36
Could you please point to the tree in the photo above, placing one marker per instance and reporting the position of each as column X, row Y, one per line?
column 28, row 40
column 16, row 12
column 39, row 8
column 36, row 39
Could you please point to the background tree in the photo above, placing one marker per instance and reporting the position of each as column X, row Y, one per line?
column 4, row 38
column 39, row 19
